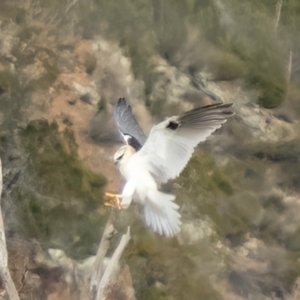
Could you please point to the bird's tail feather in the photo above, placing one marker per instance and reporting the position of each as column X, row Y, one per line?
column 160, row 213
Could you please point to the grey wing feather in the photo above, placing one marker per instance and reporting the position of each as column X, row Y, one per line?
column 128, row 124
column 171, row 143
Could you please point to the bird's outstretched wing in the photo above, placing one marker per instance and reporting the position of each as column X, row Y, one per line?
column 128, row 125
column 171, row 143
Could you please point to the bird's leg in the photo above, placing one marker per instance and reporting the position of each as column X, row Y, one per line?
column 127, row 194
column 114, row 200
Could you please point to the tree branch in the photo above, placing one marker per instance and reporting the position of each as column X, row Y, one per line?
column 278, row 13
column 112, row 267
column 99, row 266
column 103, row 275
column 7, row 286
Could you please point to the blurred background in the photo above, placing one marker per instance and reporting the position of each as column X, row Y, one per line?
column 63, row 66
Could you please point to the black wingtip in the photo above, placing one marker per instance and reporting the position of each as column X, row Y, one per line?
column 226, row 107
column 219, row 104
column 121, row 101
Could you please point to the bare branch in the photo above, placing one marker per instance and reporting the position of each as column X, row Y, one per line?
column 112, row 267
column 290, row 66
column 99, row 266
column 278, row 13
column 7, row 284
column 70, row 5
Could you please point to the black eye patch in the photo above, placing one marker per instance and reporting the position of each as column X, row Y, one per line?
column 120, row 157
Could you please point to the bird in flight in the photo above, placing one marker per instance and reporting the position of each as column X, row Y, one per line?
column 145, row 163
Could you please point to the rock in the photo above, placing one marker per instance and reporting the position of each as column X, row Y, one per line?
column 79, row 85
column 265, row 126
column 87, row 93
column 253, row 262
column 7, row 43
column 168, row 92
column 66, row 62
column 194, row 232
column 240, row 232
column 86, row 56
column 32, row 72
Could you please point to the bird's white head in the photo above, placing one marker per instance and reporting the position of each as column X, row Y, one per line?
column 123, row 154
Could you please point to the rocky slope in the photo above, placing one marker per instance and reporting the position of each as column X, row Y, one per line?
column 60, row 76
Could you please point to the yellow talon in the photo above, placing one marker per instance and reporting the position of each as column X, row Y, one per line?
column 113, row 201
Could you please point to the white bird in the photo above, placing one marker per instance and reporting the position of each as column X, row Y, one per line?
column 146, row 163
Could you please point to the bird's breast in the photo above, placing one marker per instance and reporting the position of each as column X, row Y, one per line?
column 128, row 168
column 135, row 170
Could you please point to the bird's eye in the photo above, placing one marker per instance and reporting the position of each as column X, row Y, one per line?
column 117, row 160
column 120, row 157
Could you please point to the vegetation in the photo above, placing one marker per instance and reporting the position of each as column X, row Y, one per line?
column 60, row 188
column 229, row 39
column 254, row 42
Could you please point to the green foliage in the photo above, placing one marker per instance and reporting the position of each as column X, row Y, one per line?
column 195, row 288
column 212, row 180
column 229, row 39
column 152, row 293
column 216, row 192
column 60, row 206
column 182, row 280
column 53, row 158
column 239, row 40
column 151, row 260
column 254, row 41
column 8, row 82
